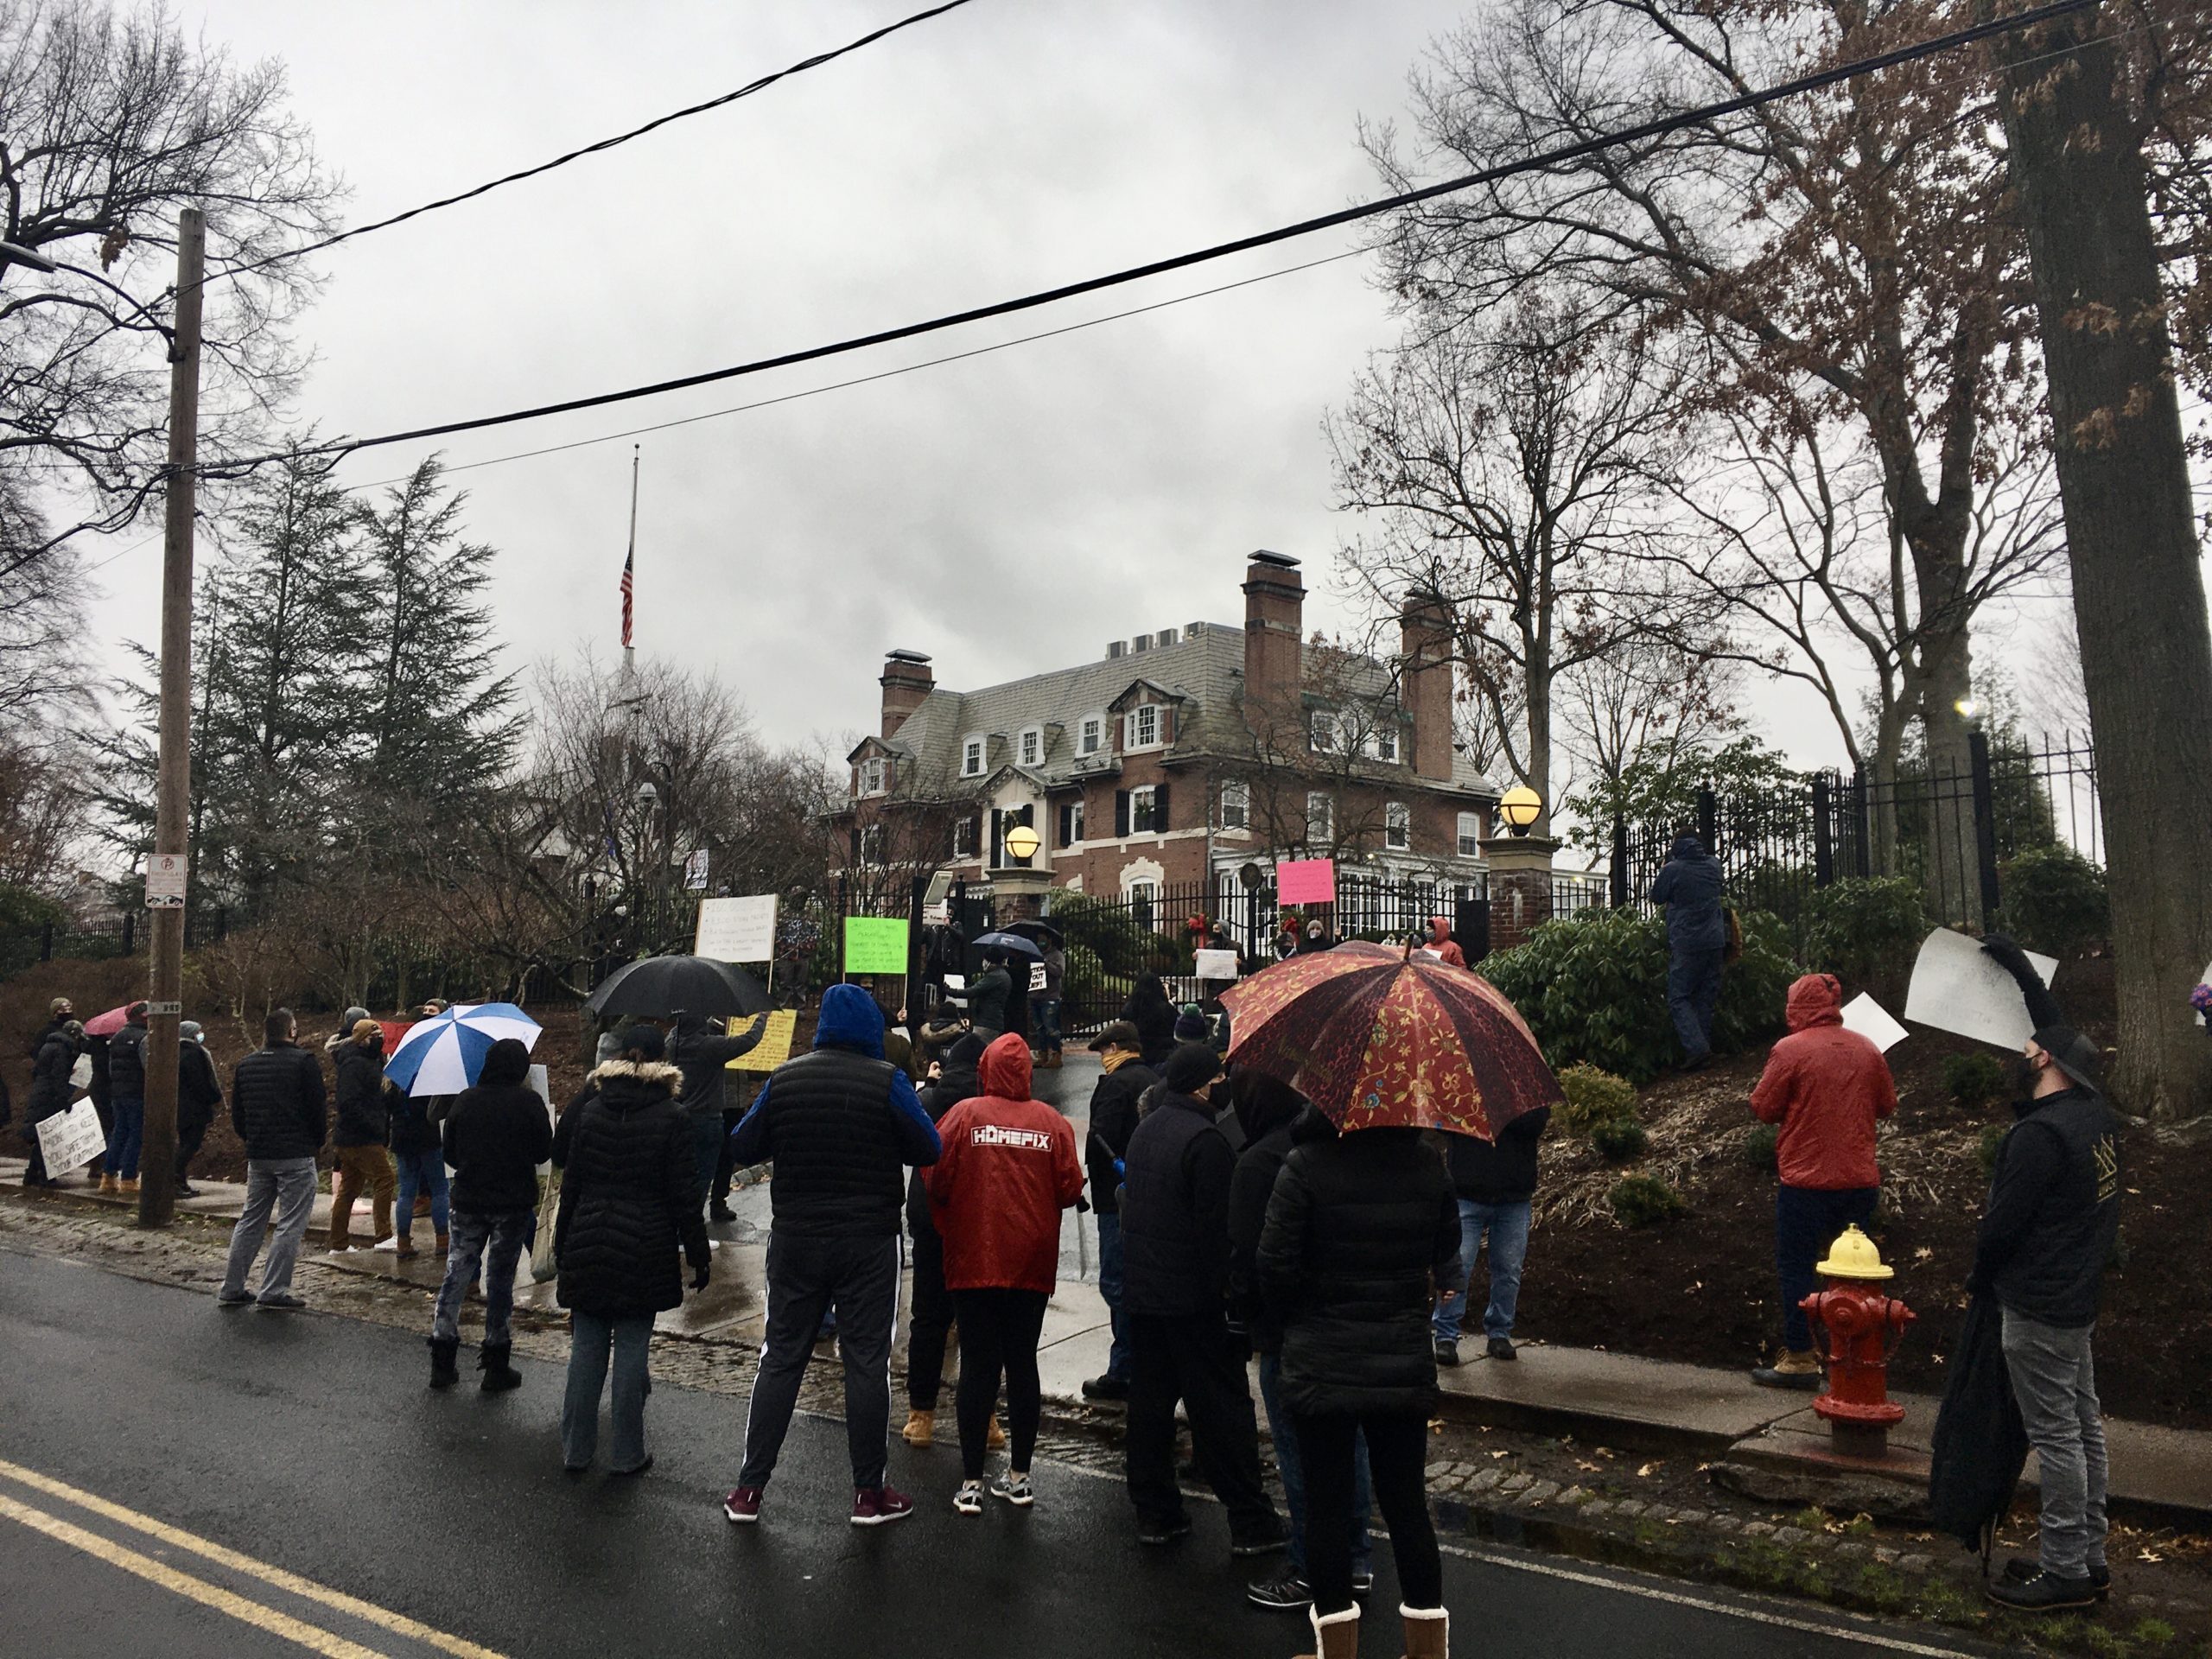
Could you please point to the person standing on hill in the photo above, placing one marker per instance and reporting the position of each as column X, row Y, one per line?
column 363, row 1126
column 199, row 1097
column 495, row 1137
column 1691, row 887
column 1824, row 1089
column 1007, row 1169
column 279, row 1108
column 126, row 1081
column 1122, row 1081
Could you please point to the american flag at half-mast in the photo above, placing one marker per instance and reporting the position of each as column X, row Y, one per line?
column 629, row 572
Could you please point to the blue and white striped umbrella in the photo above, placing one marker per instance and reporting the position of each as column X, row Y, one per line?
column 444, row 1055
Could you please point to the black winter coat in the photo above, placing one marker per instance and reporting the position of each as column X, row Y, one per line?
column 1251, row 1189
column 1502, row 1171
column 495, row 1138
column 956, row 1082
column 363, row 1112
column 1112, row 1121
column 413, row 1129
column 1175, row 1211
column 50, row 1090
column 1360, row 1229
column 1154, row 1019
column 987, row 997
column 126, row 1063
column 1981, row 1445
column 278, row 1104
column 630, row 1196
column 2053, row 1213
column 199, row 1090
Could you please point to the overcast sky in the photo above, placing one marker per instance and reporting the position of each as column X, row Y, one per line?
column 1008, row 514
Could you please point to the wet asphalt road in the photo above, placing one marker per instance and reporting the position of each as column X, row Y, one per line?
column 310, row 1444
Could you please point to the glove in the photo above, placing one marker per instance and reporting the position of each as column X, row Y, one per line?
column 699, row 1277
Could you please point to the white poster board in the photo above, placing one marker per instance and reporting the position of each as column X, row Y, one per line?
column 543, row 1085
column 1957, row 989
column 1036, row 979
column 1872, row 1021
column 1216, row 964
column 71, row 1138
column 737, row 930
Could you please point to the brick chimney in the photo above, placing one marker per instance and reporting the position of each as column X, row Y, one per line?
column 906, row 680
column 1424, row 644
column 1274, row 607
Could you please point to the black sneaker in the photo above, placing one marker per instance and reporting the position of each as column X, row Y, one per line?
column 1164, row 1532
column 1501, row 1348
column 1266, row 1543
column 1363, row 1586
column 1447, row 1353
column 2021, row 1568
column 2042, row 1593
column 1106, row 1388
column 1287, row 1594
column 721, row 1211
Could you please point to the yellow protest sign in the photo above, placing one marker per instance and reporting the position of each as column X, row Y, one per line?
column 774, row 1047
column 876, row 944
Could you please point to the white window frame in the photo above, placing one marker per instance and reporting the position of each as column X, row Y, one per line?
column 1030, row 735
column 1321, row 811
column 1237, row 806
column 974, row 754
column 874, row 774
column 1382, row 741
column 1143, row 897
column 1397, row 826
column 871, row 843
column 1323, row 733
column 1469, row 835
column 1141, row 802
column 1075, row 824
column 1132, row 733
column 967, row 836
column 1090, row 735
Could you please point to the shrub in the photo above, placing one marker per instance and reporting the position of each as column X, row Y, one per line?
column 2055, row 900
column 1644, row 1201
column 1758, row 1147
column 1595, row 989
column 1618, row 1140
column 1864, row 930
column 1973, row 1080
column 1993, row 1137
column 1594, row 1096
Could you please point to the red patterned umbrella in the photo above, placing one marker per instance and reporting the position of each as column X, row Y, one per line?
column 1379, row 1039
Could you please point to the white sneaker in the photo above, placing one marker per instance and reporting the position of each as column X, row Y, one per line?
column 387, row 1243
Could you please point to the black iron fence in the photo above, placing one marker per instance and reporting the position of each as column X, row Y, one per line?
column 101, row 940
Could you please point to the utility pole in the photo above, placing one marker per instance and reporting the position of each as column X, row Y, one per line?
column 173, row 786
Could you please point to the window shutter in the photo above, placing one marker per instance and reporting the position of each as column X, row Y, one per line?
column 1160, row 807
column 1067, row 824
column 1120, row 812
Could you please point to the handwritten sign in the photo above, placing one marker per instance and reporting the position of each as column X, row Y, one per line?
column 774, row 1047
column 736, row 930
column 876, row 944
column 1037, row 981
column 1305, row 881
column 1216, row 964
column 71, row 1138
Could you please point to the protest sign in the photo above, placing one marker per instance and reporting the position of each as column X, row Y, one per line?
column 736, row 930
column 1872, row 1021
column 876, row 944
column 71, row 1138
column 1216, row 964
column 774, row 1047
column 1036, row 978
column 543, row 1085
column 1305, row 881
column 1957, row 988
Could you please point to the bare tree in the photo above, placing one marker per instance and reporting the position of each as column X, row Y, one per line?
column 1315, row 771
column 1511, row 466
column 1652, row 697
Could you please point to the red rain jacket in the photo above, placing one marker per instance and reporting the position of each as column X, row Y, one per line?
column 1825, row 1087
column 1008, row 1170
column 1441, row 942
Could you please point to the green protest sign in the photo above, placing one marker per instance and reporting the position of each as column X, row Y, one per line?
column 876, row 944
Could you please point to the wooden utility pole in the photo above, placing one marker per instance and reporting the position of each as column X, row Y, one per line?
column 165, row 896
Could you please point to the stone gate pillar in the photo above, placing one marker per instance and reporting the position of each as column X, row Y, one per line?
column 1520, row 886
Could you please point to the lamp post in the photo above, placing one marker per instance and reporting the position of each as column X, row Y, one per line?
column 641, row 906
column 1021, row 844
column 1521, row 806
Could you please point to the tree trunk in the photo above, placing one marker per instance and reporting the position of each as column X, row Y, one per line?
column 2138, row 591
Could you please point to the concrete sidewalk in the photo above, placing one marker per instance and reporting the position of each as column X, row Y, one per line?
column 1758, row 1438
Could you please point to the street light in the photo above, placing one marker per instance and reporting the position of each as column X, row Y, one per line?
column 1022, row 843
column 1521, row 806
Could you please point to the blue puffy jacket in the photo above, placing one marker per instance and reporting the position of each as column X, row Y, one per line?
column 1690, row 886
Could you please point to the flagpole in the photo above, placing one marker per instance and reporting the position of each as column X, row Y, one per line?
column 629, row 566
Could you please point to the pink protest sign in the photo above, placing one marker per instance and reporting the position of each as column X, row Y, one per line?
column 1305, row 881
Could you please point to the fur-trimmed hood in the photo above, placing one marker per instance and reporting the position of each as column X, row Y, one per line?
column 646, row 1071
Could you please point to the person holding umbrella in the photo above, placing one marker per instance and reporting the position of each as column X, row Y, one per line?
column 700, row 1052
column 495, row 1137
column 440, row 1056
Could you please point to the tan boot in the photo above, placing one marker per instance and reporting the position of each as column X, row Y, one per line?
column 128, row 1187
column 1797, row 1368
column 921, row 1428
column 1428, row 1632
column 1336, row 1636
column 109, row 1183
column 995, row 1438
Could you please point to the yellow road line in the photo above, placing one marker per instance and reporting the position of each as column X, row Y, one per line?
column 312, row 1638
column 277, row 1577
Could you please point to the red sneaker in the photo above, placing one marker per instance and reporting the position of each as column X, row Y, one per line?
column 743, row 1505
column 872, row 1506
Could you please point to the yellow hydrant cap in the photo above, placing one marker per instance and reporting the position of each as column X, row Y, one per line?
column 1853, row 1256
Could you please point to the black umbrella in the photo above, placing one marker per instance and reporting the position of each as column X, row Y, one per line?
column 1037, row 925
column 659, row 986
column 1011, row 944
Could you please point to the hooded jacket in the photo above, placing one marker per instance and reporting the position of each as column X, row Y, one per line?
column 199, row 1090
column 1690, row 886
column 50, row 1090
column 1007, row 1169
column 839, row 1125
column 497, row 1135
column 701, row 1056
column 1502, row 1171
column 1824, row 1088
column 630, row 1196
column 1154, row 1017
column 278, row 1104
column 364, row 1109
column 1441, row 942
column 1175, row 1209
column 126, row 1062
column 1359, row 1230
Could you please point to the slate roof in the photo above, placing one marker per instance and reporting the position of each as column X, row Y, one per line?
column 1204, row 669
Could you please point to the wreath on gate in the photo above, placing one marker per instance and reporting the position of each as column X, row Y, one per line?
column 1199, row 923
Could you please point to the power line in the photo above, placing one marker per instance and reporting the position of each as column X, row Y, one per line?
column 746, row 91
column 1653, row 128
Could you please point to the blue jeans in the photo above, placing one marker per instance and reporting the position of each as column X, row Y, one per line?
column 1045, row 1023
column 1291, row 1465
column 708, row 1136
column 1507, row 1227
column 1109, row 1292
column 126, row 1137
column 423, row 1171
column 591, row 1338
column 506, row 1234
column 1807, row 1220
column 1693, row 995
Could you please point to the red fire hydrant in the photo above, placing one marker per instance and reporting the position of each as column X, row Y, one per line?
column 1857, row 1328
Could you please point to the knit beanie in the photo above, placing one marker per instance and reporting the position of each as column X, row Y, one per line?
column 1190, row 1027
column 1190, row 1068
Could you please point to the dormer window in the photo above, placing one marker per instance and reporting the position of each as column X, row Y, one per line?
column 1030, row 746
column 971, row 757
column 1382, row 741
column 1144, row 727
column 873, row 776
column 1091, row 736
